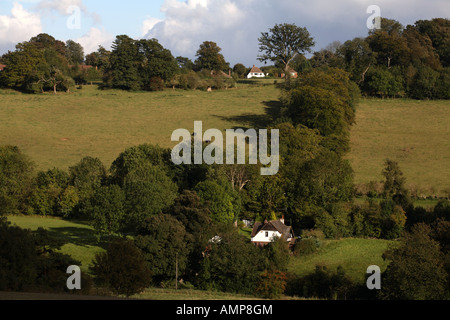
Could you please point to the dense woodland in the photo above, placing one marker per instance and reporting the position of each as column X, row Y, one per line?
column 155, row 214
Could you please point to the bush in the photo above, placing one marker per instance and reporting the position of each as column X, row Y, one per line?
column 156, row 84
column 272, row 284
column 122, row 268
column 306, row 246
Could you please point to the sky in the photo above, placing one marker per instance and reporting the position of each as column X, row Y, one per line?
column 181, row 26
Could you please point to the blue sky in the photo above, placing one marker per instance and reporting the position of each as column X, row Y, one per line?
column 182, row 26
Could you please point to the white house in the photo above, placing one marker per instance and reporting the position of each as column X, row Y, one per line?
column 264, row 233
column 255, row 72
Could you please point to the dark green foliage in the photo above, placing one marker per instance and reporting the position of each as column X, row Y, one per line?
column 148, row 190
column 18, row 257
column 415, row 271
column 394, row 185
column 16, row 174
column 30, row 261
column 323, row 284
column 231, row 264
column 137, row 64
column 209, row 58
column 220, row 200
column 106, row 210
column 122, row 268
column 164, row 243
column 306, row 246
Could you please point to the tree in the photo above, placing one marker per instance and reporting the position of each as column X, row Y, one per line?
column 323, row 99
column 148, row 191
column 357, row 57
column 122, row 73
column 155, row 61
column 240, row 70
column 163, row 241
column 438, row 31
column 415, row 271
column 394, row 185
column 219, row 200
column 283, row 43
column 74, row 52
column 185, row 65
column 210, row 58
column 231, row 264
column 16, row 176
column 106, row 210
column 122, row 268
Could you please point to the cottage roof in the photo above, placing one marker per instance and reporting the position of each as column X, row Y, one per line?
column 2, row 66
column 256, row 70
column 274, row 225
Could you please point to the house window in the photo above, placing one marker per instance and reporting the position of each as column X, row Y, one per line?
column 267, row 234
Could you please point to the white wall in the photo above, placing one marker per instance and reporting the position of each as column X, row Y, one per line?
column 261, row 236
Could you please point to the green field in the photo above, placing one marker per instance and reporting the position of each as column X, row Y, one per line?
column 414, row 133
column 353, row 254
column 79, row 239
column 59, row 130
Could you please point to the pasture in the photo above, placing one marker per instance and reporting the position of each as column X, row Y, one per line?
column 59, row 130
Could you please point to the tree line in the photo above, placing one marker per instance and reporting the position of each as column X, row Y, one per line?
column 394, row 61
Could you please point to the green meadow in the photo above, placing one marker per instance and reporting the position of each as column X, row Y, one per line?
column 59, row 130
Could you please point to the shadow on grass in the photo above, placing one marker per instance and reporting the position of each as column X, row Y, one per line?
column 78, row 236
column 272, row 111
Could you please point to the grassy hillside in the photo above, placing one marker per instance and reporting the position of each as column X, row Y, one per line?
column 57, row 131
column 414, row 133
column 354, row 255
column 79, row 240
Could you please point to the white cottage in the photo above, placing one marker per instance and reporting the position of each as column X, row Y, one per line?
column 255, row 72
column 264, row 233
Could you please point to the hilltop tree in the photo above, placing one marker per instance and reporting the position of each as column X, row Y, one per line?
column 210, row 58
column 123, row 72
column 283, row 43
column 74, row 52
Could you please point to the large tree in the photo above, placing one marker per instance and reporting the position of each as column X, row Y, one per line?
column 210, row 58
column 283, row 43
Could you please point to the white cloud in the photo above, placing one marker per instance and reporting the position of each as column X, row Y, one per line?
column 20, row 26
column 149, row 24
column 94, row 38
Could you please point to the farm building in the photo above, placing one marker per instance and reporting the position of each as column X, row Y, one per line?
column 255, row 72
column 264, row 233
column 292, row 73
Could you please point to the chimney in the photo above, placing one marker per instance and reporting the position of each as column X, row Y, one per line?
column 282, row 219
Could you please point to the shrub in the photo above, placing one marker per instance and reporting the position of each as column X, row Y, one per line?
column 306, row 246
column 122, row 268
column 272, row 284
column 156, row 84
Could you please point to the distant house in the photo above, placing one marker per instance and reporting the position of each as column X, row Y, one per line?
column 264, row 233
column 255, row 72
column 2, row 66
column 292, row 73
